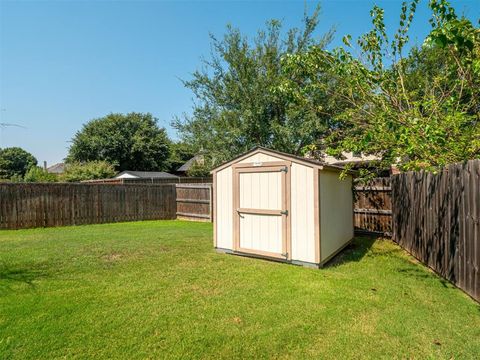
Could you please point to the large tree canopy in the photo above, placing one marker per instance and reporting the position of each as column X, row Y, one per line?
column 238, row 104
column 15, row 162
column 129, row 142
column 419, row 111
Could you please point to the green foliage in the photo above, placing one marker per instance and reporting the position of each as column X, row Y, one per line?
column 238, row 105
column 15, row 162
column 131, row 142
column 91, row 170
column 199, row 169
column 420, row 111
column 37, row 174
column 180, row 153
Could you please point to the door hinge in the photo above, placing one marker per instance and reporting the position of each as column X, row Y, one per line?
column 284, row 212
column 285, row 169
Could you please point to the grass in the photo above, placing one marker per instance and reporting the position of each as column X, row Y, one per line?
column 158, row 290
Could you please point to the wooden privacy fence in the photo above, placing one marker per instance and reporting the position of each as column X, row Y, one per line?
column 194, row 201
column 436, row 217
column 43, row 205
column 373, row 207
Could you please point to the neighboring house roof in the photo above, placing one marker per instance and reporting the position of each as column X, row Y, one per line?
column 145, row 175
column 350, row 158
column 188, row 165
column 300, row 159
column 56, row 169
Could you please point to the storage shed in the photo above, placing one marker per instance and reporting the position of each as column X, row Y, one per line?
column 279, row 206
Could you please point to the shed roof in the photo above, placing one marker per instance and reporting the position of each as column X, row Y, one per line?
column 148, row 174
column 299, row 159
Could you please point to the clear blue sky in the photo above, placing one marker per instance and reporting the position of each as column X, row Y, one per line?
column 65, row 62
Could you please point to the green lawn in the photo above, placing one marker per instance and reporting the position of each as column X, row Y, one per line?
column 158, row 290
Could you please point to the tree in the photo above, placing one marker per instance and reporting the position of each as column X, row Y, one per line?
column 75, row 172
column 180, row 153
column 419, row 111
column 37, row 174
column 200, row 168
column 237, row 102
column 15, row 162
column 129, row 142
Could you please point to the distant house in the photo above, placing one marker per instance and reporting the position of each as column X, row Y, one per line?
column 183, row 170
column 350, row 158
column 358, row 161
column 127, row 174
column 56, row 169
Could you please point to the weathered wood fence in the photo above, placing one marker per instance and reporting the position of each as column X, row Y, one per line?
column 436, row 217
column 373, row 207
column 194, row 202
column 178, row 180
column 44, row 205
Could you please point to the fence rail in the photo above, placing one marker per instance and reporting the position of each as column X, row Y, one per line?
column 44, row 205
column 436, row 217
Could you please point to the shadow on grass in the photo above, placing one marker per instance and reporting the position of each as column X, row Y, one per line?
column 355, row 251
column 422, row 272
column 11, row 275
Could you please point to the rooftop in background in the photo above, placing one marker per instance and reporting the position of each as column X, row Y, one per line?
column 349, row 158
column 56, row 168
column 127, row 174
column 197, row 159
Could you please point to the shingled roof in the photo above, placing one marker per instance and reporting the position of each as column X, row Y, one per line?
column 147, row 174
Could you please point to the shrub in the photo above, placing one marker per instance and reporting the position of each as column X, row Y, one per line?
column 76, row 171
column 37, row 174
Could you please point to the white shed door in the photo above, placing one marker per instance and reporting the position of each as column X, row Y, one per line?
column 261, row 209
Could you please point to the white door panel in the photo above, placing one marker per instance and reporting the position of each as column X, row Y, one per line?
column 261, row 232
column 261, row 190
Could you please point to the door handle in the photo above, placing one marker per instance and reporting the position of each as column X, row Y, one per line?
column 284, row 212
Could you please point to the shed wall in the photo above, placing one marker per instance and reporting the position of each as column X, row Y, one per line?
column 302, row 213
column 224, row 209
column 259, row 157
column 336, row 209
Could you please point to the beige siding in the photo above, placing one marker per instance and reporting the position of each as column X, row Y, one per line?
column 259, row 158
column 224, row 215
column 336, row 209
column 302, row 213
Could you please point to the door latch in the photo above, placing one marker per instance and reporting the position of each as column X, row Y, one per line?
column 284, row 212
column 285, row 169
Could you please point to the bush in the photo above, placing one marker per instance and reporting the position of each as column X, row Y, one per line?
column 92, row 170
column 37, row 174
column 199, row 169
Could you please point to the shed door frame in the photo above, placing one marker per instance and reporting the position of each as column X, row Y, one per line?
column 270, row 166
